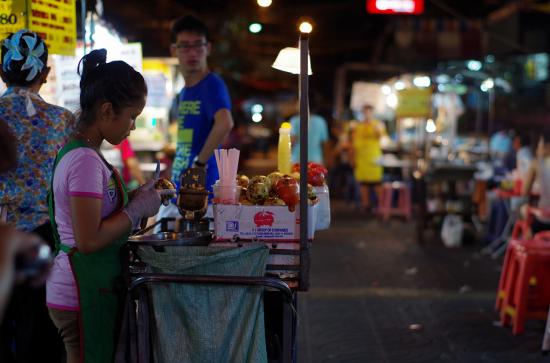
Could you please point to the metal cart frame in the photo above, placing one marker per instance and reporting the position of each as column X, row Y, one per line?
column 280, row 336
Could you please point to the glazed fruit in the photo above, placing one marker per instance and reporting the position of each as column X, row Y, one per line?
column 260, row 179
column 315, row 173
column 311, row 195
column 243, row 180
column 274, row 178
column 257, row 191
column 287, row 189
column 164, row 184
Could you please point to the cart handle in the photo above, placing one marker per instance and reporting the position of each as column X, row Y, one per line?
column 145, row 278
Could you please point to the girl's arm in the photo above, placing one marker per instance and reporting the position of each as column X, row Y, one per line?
column 90, row 232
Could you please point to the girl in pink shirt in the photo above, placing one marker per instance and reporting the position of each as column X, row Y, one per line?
column 91, row 213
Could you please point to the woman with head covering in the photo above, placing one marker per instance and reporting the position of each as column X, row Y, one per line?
column 40, row 130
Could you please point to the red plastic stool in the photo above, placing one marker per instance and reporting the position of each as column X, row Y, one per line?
column 523, row 291
column 523, row 226
column 506, row 267
column 403, row 208
column 543, row 236
column 504, row 273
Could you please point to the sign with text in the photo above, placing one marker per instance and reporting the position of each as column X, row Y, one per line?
column 414, row 102
column 55, row 22
column 12, row 16
column 414, row 7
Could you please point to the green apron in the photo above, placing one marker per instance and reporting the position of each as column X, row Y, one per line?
column 96, row 275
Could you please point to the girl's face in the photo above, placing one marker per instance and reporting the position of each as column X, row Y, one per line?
column 117, row 127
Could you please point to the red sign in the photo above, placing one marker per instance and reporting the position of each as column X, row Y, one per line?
column 395, row 6
column 264, row 219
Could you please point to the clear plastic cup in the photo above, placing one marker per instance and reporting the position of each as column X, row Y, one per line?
column 227, row 194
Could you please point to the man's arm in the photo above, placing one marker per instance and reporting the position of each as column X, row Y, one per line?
column 223, row 123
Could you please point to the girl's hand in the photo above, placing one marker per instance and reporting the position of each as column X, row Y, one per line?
column 146, row 203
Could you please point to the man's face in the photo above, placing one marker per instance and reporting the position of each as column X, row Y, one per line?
column 191, row 49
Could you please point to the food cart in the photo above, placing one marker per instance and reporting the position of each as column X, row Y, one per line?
column 286, row 251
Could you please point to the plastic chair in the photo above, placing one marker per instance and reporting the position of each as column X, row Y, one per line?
column 543, row 237
column 403, row 208
column 522, row 227
column 523, row 292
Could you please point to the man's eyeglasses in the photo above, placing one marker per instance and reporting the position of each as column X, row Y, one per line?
column 186, row 47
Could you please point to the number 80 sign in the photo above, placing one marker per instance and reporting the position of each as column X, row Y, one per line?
column 11, row 20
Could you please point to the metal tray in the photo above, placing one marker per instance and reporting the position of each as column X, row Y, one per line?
column 173, row 239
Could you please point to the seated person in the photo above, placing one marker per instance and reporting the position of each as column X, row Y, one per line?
column 540, row 170
column 520, row 157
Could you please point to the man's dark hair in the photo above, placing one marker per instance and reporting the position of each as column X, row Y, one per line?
column 190, row 24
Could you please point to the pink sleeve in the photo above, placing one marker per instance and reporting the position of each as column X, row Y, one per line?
column 85, row 177
column 126, row 150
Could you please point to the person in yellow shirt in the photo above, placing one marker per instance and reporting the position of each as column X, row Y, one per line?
column 366, row 152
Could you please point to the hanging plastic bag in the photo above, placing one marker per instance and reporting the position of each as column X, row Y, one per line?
column 322, row 220
column 451, row 230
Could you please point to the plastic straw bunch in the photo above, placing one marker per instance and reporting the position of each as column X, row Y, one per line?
column 228, row 164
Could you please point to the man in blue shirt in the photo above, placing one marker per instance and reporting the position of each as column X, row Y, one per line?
column 203, row 105
column 317, row 138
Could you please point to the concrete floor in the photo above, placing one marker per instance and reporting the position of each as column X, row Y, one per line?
column 377, row 296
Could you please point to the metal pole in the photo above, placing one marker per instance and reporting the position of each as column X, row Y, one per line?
column 27, row 14
column 83, row 21
column 491, row 111
column 478, row 112
column 304, row 123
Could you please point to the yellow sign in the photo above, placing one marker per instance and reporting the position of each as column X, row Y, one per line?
column 55, row 22
column 414, row 102
column 12, row 16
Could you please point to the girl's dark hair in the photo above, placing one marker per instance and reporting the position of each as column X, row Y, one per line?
column 14, row 76
column 115, row 82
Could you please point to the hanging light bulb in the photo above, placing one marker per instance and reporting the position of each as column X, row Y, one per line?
column 305, row 27
column 264, row 3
